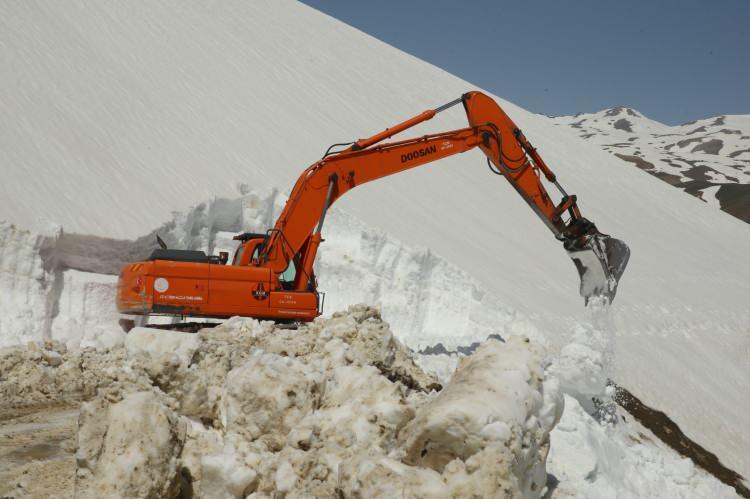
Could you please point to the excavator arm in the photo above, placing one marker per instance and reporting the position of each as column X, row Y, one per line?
column 599, row 259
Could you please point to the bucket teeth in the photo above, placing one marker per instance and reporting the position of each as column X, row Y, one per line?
column 600, row 262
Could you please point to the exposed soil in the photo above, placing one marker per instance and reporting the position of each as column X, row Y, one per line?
column 623, row 124
column 712, row 146
column 737, row 153
column 639, row 162
column 735, row 199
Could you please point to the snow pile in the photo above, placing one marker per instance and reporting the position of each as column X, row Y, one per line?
column 336, row 406
column 497, row 399
column 43, row 373
column 583, row 363
column 347, row 414
column 129, row 449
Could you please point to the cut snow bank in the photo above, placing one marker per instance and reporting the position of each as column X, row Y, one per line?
column 40, row 300
column 427, row 299
column 27, row 288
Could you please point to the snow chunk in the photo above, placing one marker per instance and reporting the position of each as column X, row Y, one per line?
column 134, row 452
column 487, row 423
column 225, row 476
column 159, row 342
column 265, row 397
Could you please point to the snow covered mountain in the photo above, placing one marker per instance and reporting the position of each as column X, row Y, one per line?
column 708, row 158
column 114, row 118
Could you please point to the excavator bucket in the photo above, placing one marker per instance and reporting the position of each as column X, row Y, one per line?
column 600, row 262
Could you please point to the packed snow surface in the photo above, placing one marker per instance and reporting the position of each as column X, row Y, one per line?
column 115, row 117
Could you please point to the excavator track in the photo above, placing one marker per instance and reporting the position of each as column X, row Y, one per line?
column 194, row 327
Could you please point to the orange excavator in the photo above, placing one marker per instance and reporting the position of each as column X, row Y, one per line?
column 271, row 275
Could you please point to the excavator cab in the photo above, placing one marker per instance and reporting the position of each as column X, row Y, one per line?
column 249, row 247
column 249, row 251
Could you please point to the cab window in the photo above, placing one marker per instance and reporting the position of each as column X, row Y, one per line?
column 238, row 255
column 289, row 274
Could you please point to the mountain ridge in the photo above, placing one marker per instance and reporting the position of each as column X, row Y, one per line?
column 708, row 158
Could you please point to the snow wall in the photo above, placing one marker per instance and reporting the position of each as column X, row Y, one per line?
column 61, row 286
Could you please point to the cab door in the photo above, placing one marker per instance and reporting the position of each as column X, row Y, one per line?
column 235, row 290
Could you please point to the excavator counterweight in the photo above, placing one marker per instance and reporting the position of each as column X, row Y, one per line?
column 271, row 274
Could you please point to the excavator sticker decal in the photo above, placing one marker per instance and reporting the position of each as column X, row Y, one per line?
column 260, row 292
column 418, row 154
column 161, row 285
column 180, row 297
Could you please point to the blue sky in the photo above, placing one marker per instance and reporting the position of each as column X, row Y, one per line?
column 674, row 61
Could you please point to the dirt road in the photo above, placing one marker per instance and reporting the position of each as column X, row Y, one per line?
column 37, row 451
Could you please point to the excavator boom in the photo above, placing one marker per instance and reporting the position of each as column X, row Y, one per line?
column 272, row 275
column 599, row 259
